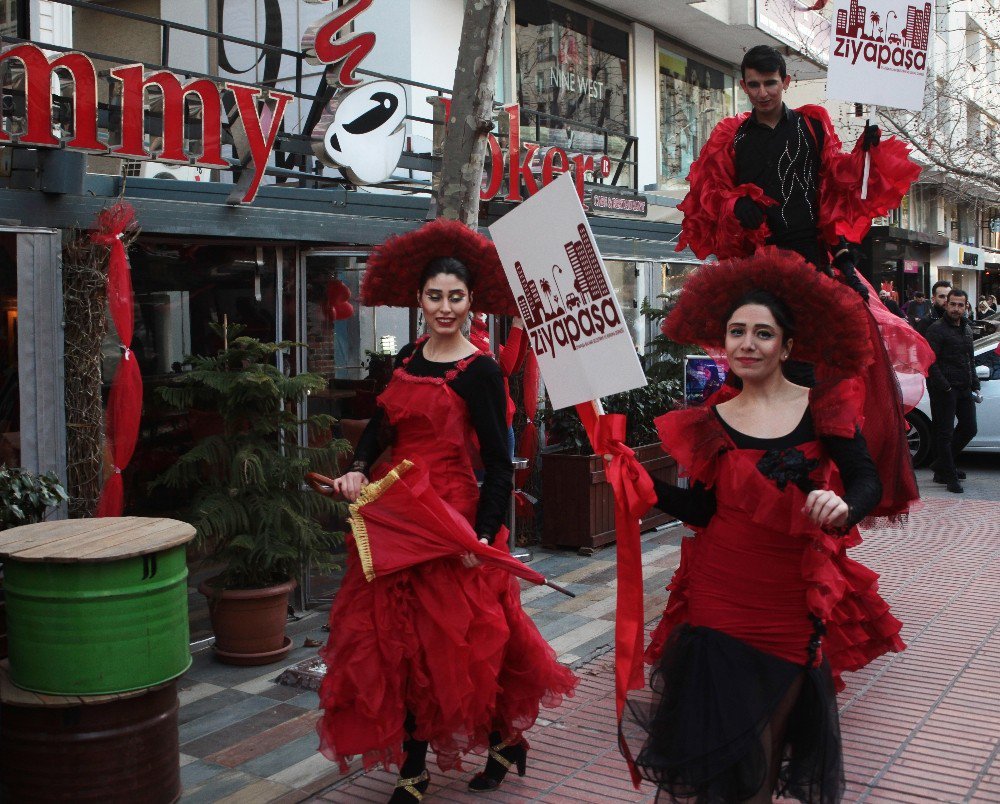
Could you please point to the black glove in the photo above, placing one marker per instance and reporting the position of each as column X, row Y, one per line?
column 748, row 213
column 845, row 262
column 870, row 137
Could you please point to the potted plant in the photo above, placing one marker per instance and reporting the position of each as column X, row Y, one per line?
column 248, row 502
column 574, row 483
column 24, row 498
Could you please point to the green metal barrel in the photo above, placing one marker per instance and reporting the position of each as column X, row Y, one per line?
column 97, row 628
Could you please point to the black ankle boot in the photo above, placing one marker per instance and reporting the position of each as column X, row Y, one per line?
column 411, row 789
column 503, row 756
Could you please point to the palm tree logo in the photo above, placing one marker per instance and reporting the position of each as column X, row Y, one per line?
column 874, row 20
column 547, row 290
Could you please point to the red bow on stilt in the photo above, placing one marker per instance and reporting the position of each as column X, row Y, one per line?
column 634, row 496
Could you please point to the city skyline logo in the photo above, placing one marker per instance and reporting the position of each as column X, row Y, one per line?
column 575, row 308
column 878, row 36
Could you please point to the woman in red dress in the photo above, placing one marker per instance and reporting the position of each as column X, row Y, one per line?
column 766, row 609
column 440, row 654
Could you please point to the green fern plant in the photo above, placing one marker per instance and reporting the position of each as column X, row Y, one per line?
column 248, row 502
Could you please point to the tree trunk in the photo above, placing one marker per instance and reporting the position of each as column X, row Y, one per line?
column 471, row 116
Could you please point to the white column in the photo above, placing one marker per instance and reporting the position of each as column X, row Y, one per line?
column 644, row 102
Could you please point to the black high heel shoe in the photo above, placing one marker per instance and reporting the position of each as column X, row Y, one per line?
column 503, row 756
column 411, row 789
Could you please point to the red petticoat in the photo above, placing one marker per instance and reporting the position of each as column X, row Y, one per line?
column 449, row 644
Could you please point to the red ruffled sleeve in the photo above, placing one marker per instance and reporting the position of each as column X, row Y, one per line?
column 842, row 212
column 837, row 408
column 709, row 225
column 694, row 438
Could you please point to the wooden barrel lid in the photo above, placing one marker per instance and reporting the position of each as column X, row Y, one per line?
column 13, row 695
column 74, row 541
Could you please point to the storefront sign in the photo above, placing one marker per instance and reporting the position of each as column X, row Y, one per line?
column 525, row 161
column 362, row 131
column 565, row 297
column 911, row 267
column 878, row 52
column 602, row 202
column 960, row 257
column 258, row 114
column 363, row 128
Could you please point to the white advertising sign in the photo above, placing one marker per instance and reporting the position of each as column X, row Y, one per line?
column 879, row 52
column 570, row 312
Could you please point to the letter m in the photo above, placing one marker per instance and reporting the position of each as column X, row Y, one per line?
column 133, row 144
column 38, row 72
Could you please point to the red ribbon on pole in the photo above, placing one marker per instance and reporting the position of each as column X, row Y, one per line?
column 634, row 496
column 121, row 420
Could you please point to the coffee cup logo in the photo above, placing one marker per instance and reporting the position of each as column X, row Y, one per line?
column 362, row 131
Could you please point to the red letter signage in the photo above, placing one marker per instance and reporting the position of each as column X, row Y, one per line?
column 133, row 144
column 38, row 70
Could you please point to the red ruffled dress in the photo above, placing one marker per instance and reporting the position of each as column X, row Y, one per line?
column 448, row 644
column 761, row 596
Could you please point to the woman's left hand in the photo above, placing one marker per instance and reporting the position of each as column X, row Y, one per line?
column 826, row 509
column 471, row 560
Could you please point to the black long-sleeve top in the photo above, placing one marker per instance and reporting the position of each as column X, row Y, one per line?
column 862, row 487
column 481, row 387
column 784, row 162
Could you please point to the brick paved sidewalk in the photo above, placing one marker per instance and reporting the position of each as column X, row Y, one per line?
column 922, row 725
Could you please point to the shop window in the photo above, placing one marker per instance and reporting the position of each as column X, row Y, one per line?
column 576, row 68
column 180, row 292
column 355, row 353
column 693, row 98
column 627, row 283
column 10, row 411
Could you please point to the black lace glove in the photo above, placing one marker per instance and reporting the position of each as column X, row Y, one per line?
column 870, row 137
column 748, row 213
column 845, row 262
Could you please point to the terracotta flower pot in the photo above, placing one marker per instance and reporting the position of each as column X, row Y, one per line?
column 249, row 624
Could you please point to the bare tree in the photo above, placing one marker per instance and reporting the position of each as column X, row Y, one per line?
column 471, row 116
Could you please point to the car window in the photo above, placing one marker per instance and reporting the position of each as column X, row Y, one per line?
column 992, row 360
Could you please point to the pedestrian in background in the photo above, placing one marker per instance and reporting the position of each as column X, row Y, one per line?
column 939, row 299
column 917, row 307
column 954, row 389
column 890, row 303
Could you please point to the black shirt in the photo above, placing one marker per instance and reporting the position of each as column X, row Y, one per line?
column 862, row 487
column 934, row 314
column 784, row 162
column 481, row 387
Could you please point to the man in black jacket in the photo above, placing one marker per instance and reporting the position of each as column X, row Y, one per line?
column 953, row 387
column 939, row 297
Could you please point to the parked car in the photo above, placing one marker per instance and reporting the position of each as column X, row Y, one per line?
column 987, row 412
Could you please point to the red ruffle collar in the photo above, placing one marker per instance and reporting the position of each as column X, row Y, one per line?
column 449, row 376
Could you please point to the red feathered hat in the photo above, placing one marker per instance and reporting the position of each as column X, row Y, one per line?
column 831, row 329
column 394, row 268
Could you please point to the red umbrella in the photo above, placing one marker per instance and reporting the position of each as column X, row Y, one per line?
column 400, row 521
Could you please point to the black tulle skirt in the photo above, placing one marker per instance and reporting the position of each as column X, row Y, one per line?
column 698, row 732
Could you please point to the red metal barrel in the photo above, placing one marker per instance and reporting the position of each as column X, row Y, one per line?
column 62, row 749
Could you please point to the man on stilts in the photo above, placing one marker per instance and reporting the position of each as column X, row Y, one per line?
column 778, row 176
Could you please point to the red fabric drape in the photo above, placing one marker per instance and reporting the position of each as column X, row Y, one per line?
column 121, row 420
column 634, row 496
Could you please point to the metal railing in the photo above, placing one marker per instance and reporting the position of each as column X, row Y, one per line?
column 294, row 157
